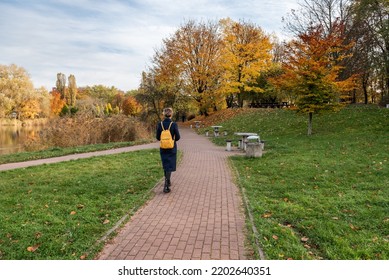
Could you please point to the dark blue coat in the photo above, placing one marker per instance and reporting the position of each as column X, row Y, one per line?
column 169, row 156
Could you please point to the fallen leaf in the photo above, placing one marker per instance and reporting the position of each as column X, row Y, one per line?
column 275, row 237
column 304, row 239
column 32, row 249
column 267, row 215
column 73, row 213
column 286, row 199
column 83, row 257
column 80, row 206
column 335, row 218
column 105, row 222
column 38, row 235
column 353, row 227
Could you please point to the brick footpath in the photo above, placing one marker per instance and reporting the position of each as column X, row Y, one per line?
column 201, row 218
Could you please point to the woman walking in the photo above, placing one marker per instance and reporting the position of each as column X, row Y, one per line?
column 168, row 156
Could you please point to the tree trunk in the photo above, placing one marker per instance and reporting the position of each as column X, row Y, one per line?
column 364, row 86
column 354, row 98
column 310, row 123
column 230, row 100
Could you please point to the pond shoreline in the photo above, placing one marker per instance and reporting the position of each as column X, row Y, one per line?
column 14, row 134
column 20, row 123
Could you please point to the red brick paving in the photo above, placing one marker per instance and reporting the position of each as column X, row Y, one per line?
column 201, row 218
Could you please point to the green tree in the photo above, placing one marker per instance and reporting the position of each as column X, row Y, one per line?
column 103, row 93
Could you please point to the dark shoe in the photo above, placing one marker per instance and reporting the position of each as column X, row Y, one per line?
column 166, row 188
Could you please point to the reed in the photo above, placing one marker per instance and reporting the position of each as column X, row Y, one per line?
column 85, row 129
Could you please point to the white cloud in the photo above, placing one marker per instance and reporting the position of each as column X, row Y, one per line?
column 109, row 42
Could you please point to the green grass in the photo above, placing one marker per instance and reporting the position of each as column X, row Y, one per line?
column 56, row 151
column 59, row 211
column 319, row 197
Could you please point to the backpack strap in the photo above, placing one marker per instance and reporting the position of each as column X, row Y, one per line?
column 168, row 128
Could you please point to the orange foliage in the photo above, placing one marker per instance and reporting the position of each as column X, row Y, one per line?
column 312, row 69
column 130, row 106
column 56, row 103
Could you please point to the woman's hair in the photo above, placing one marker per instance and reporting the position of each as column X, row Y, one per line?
column 168, row 112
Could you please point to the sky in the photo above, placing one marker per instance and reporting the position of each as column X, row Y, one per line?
column 111, row 42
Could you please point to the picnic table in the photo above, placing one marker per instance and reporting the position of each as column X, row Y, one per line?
column 197, row 124
column 216, row 129
column 244, row 138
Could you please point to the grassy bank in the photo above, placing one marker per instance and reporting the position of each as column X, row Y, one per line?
column 57, row 151
column 59, row 211
column 319, row 197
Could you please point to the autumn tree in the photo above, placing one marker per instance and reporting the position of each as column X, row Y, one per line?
column 167, row 76
column 130, row 106
column 246, row 53
column 118, row 100
column 44, row 101
column 317, row 12
column 17, row 94
column 29, row 108
column 371, row 18
column 56, row 103
column 193, row 53
column 35, row 104
column 151, row 96
column 72, row 95
column 366, row 24
column 312, row 70
column 103, row 93
column 61, row 84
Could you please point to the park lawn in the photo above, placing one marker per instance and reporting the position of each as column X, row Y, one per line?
column 59, row 211
column 319, row 197
column 58, row 151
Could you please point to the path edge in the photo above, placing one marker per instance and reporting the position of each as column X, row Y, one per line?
column 249, row 212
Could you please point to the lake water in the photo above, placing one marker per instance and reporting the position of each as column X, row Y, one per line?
column 12, row 138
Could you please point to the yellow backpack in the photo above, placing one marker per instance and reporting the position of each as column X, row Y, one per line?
column 167, row 141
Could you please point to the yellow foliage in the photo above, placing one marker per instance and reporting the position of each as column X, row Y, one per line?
column 246, row 53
